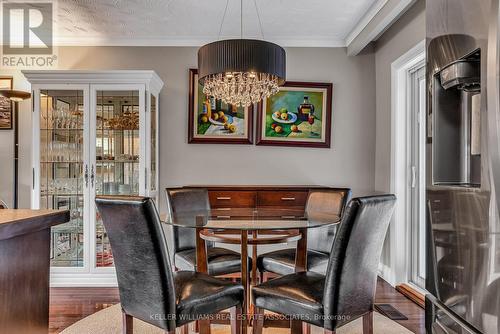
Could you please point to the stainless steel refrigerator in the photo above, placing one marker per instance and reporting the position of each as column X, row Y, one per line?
column 463, row 167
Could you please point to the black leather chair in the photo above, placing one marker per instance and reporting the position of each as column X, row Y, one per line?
column 347, row 291
column 320, row 240
column 149, row 290
column 221, row 261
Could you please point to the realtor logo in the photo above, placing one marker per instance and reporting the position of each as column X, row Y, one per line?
column 27, row 34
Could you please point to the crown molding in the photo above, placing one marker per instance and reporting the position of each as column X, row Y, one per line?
column 84, row 76
column 300, row 41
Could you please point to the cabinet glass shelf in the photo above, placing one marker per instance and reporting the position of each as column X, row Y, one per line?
column 62, row 129
column 118, row 161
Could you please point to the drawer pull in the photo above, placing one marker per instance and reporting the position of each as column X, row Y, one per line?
column 223, row 217
column 287, row 217
column 223, row 198
column 288, row 198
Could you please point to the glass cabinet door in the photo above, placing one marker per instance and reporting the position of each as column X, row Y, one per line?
column 61, row 170
column 117, row 152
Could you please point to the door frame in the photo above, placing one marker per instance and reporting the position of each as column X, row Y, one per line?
column 400, row 170
column 417, row 187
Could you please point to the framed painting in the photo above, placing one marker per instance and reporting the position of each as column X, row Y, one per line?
column 212, row 121
column 298, row 115
column 5, row 105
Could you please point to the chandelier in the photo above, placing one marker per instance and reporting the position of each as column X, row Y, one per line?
column 241, row 71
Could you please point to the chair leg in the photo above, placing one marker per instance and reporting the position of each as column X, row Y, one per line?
column 258, row 320
column 296, row 327
column 368, row 323
column 127, row 323
column 261, row 277
column 236, row 319
column 204, row 326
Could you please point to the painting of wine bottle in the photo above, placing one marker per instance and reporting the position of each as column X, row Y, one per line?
column 298, row 115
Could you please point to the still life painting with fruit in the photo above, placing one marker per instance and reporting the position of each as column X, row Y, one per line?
column 298, row 115
column 213, row 121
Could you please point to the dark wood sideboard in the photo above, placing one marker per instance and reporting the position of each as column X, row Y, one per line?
column 25, row 268
column 292, row 199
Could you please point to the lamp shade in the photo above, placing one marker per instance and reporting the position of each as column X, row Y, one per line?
column 241, row 71
column 242, row 55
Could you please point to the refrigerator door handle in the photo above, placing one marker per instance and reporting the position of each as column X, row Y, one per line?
column 413, row 176
column 493, row 97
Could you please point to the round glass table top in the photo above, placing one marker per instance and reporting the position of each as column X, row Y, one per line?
column 251, row 219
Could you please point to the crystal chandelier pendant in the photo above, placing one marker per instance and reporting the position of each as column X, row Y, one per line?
column 241, row 71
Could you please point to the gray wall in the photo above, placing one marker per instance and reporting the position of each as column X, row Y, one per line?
column 349, row 162
column 407, row 32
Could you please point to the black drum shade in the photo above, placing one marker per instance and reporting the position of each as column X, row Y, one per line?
column 242, row 55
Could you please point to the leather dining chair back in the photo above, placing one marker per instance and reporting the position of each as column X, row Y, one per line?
column 182, row 200
column 331, row 201
column 351, row 276
column 142, row 263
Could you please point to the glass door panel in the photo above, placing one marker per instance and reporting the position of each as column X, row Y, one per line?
column 61, row 171
column 117, row 155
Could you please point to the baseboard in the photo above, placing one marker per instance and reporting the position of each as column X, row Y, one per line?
column 386, row 273
column 58, row 280
column 412, row 294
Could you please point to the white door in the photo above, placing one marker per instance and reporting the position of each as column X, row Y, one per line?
column 417, row 186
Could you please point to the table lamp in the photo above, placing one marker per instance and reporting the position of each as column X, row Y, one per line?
column 15, row 96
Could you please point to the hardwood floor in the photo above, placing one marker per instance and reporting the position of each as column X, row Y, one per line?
column 386, row 294
column 68, row 305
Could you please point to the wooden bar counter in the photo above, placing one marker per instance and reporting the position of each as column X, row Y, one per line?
column 25, row 268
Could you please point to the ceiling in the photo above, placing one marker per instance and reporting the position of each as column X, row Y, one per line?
column 195, row 22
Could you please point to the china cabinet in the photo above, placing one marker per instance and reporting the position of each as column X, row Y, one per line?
column 94, row 133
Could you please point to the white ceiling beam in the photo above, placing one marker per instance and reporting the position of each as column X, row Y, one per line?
column 374, row 23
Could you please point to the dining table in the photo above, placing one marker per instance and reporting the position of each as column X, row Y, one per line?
column 249, row 226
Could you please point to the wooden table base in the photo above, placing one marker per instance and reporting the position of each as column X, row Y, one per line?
column 247, row 309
